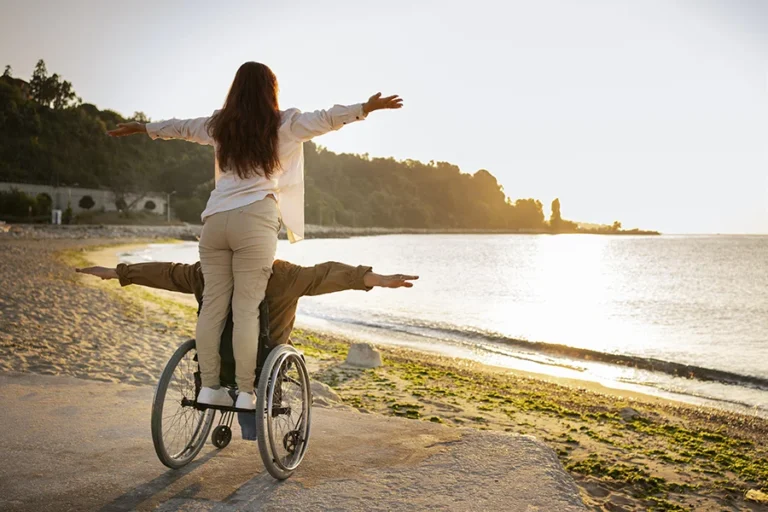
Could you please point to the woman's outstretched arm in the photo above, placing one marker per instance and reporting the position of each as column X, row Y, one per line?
column 307, row 125
column 192, row 130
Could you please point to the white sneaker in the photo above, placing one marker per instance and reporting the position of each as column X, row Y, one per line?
column 246, row 401
column 210, row 396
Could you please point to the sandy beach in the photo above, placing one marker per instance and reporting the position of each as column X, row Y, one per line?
column 626, row 451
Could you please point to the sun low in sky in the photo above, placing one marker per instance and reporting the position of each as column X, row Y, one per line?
column 646, row 111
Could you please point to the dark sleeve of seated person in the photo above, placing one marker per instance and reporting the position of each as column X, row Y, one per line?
column 288, row 283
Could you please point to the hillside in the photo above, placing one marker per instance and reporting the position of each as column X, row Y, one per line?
column 50, row 137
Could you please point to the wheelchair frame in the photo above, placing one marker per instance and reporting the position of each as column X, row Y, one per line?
column 278, row 363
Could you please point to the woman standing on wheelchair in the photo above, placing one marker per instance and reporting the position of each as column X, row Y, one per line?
column 259, row 175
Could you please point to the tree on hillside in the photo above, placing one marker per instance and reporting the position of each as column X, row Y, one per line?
column 556, row 222
column 556, row 217
column 51, row 91
column 8, row 71
column 528, row 214
column 140, row 117
column 41, row 85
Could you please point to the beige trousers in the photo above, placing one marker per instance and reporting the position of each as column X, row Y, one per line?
column 237, row 249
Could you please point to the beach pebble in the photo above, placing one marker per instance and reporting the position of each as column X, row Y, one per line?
column 629, row 414
column 363, row 355
column 756, row 496
column 595, row 488
column 323, row 394
column 620, row 500
column 320, row 402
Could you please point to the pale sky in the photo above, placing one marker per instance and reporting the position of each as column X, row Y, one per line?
column 642, row 111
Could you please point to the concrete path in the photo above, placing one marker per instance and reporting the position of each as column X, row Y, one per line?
column 72, row 444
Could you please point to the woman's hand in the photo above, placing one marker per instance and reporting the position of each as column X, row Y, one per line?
column 376, row 102
column 102, row 272
column 372, row 279
column 124, row 129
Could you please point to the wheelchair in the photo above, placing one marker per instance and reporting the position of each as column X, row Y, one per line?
column 180, row 426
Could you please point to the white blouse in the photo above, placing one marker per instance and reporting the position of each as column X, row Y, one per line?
column 287, row 184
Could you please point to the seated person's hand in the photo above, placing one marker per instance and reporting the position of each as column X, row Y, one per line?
column 102, row 272
column 372, row 279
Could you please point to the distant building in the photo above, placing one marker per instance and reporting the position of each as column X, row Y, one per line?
column 103, row 200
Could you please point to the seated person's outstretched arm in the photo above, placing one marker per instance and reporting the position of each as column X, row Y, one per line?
column 292, row 281
column 330, row 277
column 372, row 280
column 176, row 277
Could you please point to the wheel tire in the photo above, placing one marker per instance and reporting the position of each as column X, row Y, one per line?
column 264, row 389
column 204, row 418
column 221, row 436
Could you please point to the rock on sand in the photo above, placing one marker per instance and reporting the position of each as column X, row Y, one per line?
column 363, row 355
column 323, row 395
column 629, row 414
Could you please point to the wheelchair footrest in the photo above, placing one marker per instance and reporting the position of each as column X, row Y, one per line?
column 186, row 402
column 276, row 410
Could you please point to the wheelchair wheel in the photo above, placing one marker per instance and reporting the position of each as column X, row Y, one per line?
column 179, row 430
column 283, row 411
column 221, row 436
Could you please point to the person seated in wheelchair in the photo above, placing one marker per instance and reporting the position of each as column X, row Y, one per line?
column 288, row 283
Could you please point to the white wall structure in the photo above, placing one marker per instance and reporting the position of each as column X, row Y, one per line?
column 103, row 199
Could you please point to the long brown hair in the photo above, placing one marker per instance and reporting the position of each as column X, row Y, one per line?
column 245, row 129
